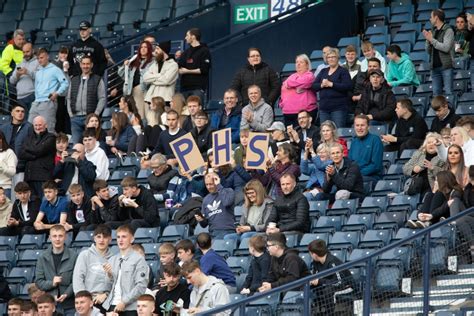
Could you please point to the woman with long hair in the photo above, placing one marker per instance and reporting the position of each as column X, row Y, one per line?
column 93, row 121
column 132, row 72
column 255, row 211
column 436, row 204
column 425, row 163
column 128, row 106
column 121, row 132
column 8, row 162
column 456, row 165
column 329, row 136
column 178, row 103
column 284, row 162
column 460, row 137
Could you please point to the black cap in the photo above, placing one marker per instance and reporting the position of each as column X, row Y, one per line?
column 165, row 47
column 376, row 72
column 85, row 25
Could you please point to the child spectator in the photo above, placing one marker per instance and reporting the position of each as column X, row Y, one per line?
column 259, row 266
column 79, row 210
column 317, row 170
column 62, row 141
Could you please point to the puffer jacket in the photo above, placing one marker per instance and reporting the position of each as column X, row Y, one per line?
column 291, row 212
column 261, row 75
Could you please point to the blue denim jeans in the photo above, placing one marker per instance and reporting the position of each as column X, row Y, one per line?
column 338, row 117
column 442, row 78
column 77, row 128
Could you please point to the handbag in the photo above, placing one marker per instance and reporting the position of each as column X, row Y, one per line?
column 414, row 185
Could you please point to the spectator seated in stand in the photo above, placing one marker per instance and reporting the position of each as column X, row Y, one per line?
column 401, row 71
column 314, row 165
column 53, row 208
column 259, row 265
column 445, row 115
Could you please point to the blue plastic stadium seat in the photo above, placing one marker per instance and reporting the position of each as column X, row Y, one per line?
column 318, row 208
column 344, row 240
column 465, row 109
column 358, row 222
column 8, row 242
column 224, row 248
column 369, row 202
column 316, row 55
column 175, row 232
column 243, row 249
column 391, row 220
column 343, row 207
column 376, row 238
column 34, row 14
column 358, row 254
column 380, row 39
column 31, row 242
column 160, row 4
column 129, row 17
column 238, row 264
column 131, row 5
column 147, row 234
column 83, row 239
column 83, row 9
column 58, row 12
column 7, row 259
column 37, row 4
column 388, row 279
column 341, row 254
column 400, row 254
column 328, row 224
column 404, row 91
column 21, row 275
column 376, row 30
column 309, row 237
column 103, row 19
column 151, row 251
column 156, row 15
column 387, row 186
column 29, row 257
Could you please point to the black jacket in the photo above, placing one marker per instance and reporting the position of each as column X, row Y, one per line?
column 258, row 271
column 339, row 280
column 413, row 128
column 89, row 47
column 203, row 138
column 347, row 178
column 108, row 213
column 159, row 184
column 86, row 208
column 287, row 268
column 380, row 103
column 146, row 210
column 86, row 177
column 261, row 75
column 38, row 152
column 198, row 57
column 33, row 209
column 450, row 121
column 312, row 132
column 291, row 212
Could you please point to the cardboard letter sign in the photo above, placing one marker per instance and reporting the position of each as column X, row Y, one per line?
column 187, row 153
column 222, row 146
column 257, row 151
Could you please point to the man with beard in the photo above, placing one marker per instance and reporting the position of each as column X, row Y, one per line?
column 259, row 73
column 23, row 77
column 161, row 75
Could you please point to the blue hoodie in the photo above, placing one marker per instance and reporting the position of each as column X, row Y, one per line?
column 49, row 79
column 368, row 153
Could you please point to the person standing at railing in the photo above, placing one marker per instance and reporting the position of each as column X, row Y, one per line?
column 23, row 77
column 325, row 289
column 12, row 55
column 194, row 66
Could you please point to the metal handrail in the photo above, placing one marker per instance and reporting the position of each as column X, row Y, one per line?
column 305, row 281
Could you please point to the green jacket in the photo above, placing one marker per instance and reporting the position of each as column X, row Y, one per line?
column 402, row 72
column 10, row 55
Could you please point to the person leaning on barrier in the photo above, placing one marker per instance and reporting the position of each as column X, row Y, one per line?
column 326, row 288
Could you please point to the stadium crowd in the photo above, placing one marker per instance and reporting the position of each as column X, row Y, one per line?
column 54, row 165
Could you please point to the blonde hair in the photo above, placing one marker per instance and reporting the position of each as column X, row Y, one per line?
column 332, row 126
column 322, row 147
column 462, row 132
column 260, row 192
column 306, row 60
column 430, row 135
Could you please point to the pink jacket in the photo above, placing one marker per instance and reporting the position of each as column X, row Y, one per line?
column 296, row 93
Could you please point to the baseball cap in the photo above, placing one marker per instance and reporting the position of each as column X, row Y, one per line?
column 84, row 25
column 376, row 72
column 276, row 126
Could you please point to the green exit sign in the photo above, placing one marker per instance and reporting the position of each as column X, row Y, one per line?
column 246, row 14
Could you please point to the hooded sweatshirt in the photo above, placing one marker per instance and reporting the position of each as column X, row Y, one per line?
column 210, row 295
column 218, row 209
column 364, row 63
column 286, row 268
column 89, row 47
column 89, row 272
column 198, row 57
column 402, row 72
column 49, row 79
column 98, row 157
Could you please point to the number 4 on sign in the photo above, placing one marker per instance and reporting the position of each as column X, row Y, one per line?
column 281, row 6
